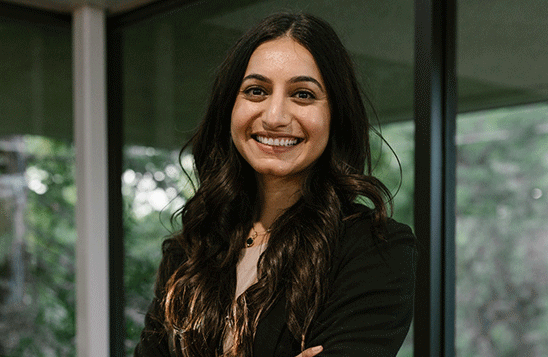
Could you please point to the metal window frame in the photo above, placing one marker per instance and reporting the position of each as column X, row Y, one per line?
column 115, row 134
column 435, row 97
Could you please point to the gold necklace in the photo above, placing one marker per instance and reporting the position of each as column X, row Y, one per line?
column 251, row 240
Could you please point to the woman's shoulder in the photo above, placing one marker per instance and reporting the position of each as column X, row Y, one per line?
column 358, row 230
column 360, row 248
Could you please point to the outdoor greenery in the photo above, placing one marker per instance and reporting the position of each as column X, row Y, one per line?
column 502, row 245
column 41, row 320
column 502, row 236
column 154, row 187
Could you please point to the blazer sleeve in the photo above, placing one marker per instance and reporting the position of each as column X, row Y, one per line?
column 154, row 340
column 370, row 305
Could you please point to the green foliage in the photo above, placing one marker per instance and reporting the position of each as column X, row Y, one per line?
column 501, row 233
column 154, row 187
column 42, row 322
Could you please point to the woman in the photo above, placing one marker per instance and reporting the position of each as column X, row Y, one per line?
column 275, row 258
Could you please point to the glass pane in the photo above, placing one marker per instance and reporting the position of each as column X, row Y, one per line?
column 36, row 73
column 169, row 63
column 400, row 137
column 502, row 182
column 502, row 235
column 37, row 192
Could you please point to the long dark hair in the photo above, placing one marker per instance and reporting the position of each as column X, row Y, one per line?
column 198, row 297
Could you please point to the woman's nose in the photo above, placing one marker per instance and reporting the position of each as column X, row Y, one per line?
column 276, row 114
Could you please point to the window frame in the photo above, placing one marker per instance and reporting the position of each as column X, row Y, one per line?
column 435, row 98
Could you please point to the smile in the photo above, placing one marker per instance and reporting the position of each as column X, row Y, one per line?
column 285, row 142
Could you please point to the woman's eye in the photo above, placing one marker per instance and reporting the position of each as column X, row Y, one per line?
column 304, row 95
column 255, row 92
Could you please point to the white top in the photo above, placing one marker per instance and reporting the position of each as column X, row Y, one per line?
column 246, row 271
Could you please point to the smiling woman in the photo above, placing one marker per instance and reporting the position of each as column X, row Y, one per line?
column 275, row 257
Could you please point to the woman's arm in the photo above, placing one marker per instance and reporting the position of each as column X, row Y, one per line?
column 370, row 307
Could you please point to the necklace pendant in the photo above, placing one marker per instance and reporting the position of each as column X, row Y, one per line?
column 249, row 241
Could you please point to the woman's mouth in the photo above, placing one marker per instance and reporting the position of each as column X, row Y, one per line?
column 281, row 142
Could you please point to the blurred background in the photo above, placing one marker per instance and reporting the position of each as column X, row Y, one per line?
column 167, row 66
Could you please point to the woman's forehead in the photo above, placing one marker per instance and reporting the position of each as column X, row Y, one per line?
column 283, row 56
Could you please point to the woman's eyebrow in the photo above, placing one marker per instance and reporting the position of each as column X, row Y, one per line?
column 306, row 79
column 257, row 77
column 293, row 80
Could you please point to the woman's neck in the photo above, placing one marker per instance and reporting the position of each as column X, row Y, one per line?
column 275, row 196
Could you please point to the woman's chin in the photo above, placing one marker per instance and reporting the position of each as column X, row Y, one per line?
column 280, row 173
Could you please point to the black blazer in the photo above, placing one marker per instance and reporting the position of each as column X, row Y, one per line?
column 368, row 310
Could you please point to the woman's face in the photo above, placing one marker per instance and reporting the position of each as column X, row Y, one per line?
column 280, row 120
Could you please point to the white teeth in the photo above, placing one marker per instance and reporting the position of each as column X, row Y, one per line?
column 276, row 142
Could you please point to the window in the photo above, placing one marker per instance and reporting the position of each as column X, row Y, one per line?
column 37, row 191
